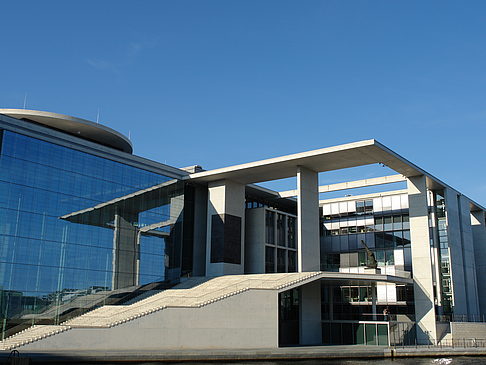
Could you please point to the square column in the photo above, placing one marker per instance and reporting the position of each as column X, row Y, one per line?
column 421, row 260
column 478, row 222
column 225, row 228
column 308, row 241
column 125, row 254
column 461, row 247
column 310, row 314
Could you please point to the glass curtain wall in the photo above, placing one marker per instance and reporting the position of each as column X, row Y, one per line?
column 51, row 266
column 382, row 223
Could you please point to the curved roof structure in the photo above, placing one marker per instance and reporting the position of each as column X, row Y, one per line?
column 78, row 127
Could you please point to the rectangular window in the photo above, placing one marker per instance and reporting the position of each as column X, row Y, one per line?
column 281, row 260
column 291, row 232
column 397, row 222
column 269, row 259
column 292, row 261
column 369, row 206
column 280, row 229
column 269, row 227
column 379, row 223
column 360, row 207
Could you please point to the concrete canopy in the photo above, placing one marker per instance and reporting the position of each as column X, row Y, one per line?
column 325, row 159
column 348, row 155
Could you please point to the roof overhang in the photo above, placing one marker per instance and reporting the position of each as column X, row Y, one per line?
column 325, row 159
column 321, row 160
column 78, row 127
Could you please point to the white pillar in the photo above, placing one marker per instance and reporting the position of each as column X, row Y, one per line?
column 310, row 314
column 308, row 240
column 225, row 228
column 421, row 259
column 478, row 222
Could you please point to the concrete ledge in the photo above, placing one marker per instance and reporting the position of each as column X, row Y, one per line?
column 286, row 353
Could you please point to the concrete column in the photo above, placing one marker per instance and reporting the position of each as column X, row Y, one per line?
column 125, row 254
column 310, row 314
column 454, row 233
column 225, row 228
column 421, row 259
column 308, row 243
column 478, row 222
column 173, row 244
column 200, row 226
column 468, row 257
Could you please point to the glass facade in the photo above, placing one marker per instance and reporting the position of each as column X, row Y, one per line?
column 445, row 270
column 382, row 223
column 280, row 253
column 47, row 262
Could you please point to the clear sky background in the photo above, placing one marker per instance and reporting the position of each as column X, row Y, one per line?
column 218, row 83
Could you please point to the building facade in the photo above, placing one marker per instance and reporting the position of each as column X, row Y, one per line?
column 88, row 228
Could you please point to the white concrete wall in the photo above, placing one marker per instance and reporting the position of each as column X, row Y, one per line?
column 479, row 237
column 246, row 320
column 308, row 240
column 421, row 259
column 225, row 197
column 468, row 330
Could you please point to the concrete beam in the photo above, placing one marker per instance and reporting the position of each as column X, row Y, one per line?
column 351, row 185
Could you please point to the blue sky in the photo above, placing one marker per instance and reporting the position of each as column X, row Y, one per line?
column 224, row 82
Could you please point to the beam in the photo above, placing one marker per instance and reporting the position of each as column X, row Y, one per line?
column 351, row 185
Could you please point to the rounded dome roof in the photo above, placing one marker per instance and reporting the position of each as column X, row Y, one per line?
column 78, row 127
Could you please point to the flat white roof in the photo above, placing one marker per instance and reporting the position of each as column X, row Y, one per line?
column 354, row 154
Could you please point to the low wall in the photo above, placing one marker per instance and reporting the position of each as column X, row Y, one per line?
column 246, row 320
column 468, row 330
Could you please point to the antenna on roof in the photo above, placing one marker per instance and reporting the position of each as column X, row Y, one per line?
column 130, row 135
column 25, row 100
column 98, row 116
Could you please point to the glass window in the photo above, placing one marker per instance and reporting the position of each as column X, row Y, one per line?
column 379, row 223
column 269, row 259
column 406, row 238
column 360, row 207
column 291, row 232
column 281, row 229
column 389, row 256
column 50, row 260
column 281, row 260
column 370, row 334
column 406, row 222
column 380, row 257
column 292, row 256
column 397, row 222
column 369, row 206
column 269, row 227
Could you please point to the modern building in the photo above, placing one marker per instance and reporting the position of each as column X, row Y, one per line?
column 102, row 249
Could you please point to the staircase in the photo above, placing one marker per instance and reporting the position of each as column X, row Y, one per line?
column 193, row 293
